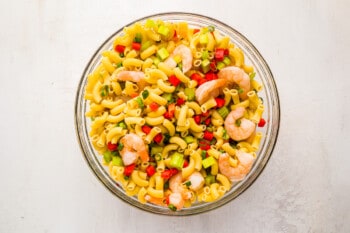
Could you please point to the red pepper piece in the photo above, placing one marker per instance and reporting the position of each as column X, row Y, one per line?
column 120, row 48
column 168, row 173
column 262, row 122
column 208, row 135
column 195, row 30
column 174, row 80
column 154, row 106
column 210, row 76
column 146, row 129
column 201, row 81
column 226, row 52
column 158, row 138
column 150, row 170
column 185, row 164
column 220, row 102
column 129, row 169
column 204, row 145
column 197, row 119
column 196, row 77
column 136, row 46
column 219, row 54
column 112, row 147
column 205, row 114
column 167, row 116
column 213, row 66
column 180, row 101
column 207, row 121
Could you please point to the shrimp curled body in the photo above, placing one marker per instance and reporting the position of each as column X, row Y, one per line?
column 137, row 77
column 186, row 57
column 209, row 89
column 133, row 148
column 236, row 173
column 241, row 131
column 235, row 75
column 179, row 192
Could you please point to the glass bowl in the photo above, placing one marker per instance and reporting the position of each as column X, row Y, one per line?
column 271, row 115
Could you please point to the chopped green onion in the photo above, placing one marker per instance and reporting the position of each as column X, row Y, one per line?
column 211, row 28
column 140, row 102
column 179, row 65
column 117, row 161
column 156, row 149
column 205, row 65
column 138, row 38
column 145, row 45
column 203, row 39
column 121, row 54
column 227, row 61
column 122, row 124
column 117, row 65
column 190, row 93
column 207, row 162
column 107, row 156
column 177, row 160
column 188, row 183
column 204, row 154
column 163, row 30
column 238, row 122
column 225, row 135
column 166, row 185
column 126, row 177
column 252, row 75
column 240, row 91
column 120, row 146
column 172, row 207
column 209, row 179
column 223, row 111
column 145, row 94
column 189, row 139
column 220, row 65
column 104, row 90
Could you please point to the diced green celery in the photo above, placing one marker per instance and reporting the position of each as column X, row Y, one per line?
column 156, row 61
column 163, row 30
column 107, row 156
column 156, row 149
column 162, row 54
column 190, row 93
column 122, row 124
column 145, row 45
column 207, row 162
column 225, row 135
column 117, row 161
column 203, row 39
column 209, row 179
column 205, row 54
column 150, row 23
column 189, row 139
column 211, row 28
column 252, row 75
column 177, row 160
column 168, row 96
column 223, row 111
column 227, row 61
column 205, row 65
column 220, row 65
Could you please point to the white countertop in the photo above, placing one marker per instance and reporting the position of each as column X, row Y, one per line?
column 46, row 186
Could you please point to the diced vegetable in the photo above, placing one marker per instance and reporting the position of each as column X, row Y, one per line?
column 205, row 65
column 154, row 106
column 145, row 94
column 107, row 156
column 190, row 93
column 208, row 135
column 172, row 207
column 136, row 46
column 219, row 54
column 156, row 150
column 111, row 146
column 180, row 101
column 207, row 162
column 140, row 102
column 211, row 76
column 168, row 173
column 197, row 119
column 158, row 138
column 209, row 179
column 227, row 61
column 146, row 129
column 150, row 170
column 220, row 102
column 120, row 48
column 176, row 160
column 145, row 45
column 117, row 161
column 163, row 30
column 262, row 122
column 189, row 139
column 220, row 65
column 122, row 124
column 203, row 39
column 174, row 80
column 120, row 146
column 138, row 37
column 162, row 54
column 129, row 169
column 223, row 111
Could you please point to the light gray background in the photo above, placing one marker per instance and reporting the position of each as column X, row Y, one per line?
column 46, row 186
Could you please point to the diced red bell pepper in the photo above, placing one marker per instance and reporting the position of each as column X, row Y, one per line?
column 154, row 106
column 146, row 129
column 201, row 81
column 196, row 77
column 205, row 114
column 226, row 52
column 174, row 80
column 207, row 121
column 204, row 145
column 112, row 147
column 168, row 173
column 262, row 122
column 133, row 95
column 185, row 163
column 167, row 116
column 211, row 76
column 195, row 30
column 208, row 135
column 213, row 66
column 220, row 102
column 197, row 119
column 158, row 138
column 129, row 169
column 150, row 170
column 136, row 46
column 171, row 110
column 120, row 48
column 180, row 101
column 219, row 54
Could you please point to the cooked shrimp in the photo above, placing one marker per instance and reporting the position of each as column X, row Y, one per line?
column 176, row 200
column 197, row 181
column 176, row 186
column 236, row 75
column 236, row 173
column 137, row 77
column 240, row 131
column 186, row 57
column 209, row 89
column 134, row 147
